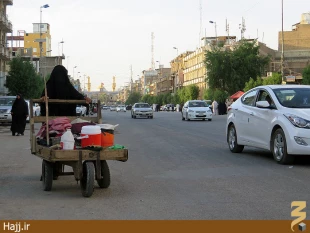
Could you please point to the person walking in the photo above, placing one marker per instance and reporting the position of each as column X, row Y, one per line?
column 215, row 107
column 19, row 114
column 59, row 87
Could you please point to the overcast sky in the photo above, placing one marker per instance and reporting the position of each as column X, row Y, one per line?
column 104, row 38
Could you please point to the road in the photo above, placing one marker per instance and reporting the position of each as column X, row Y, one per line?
column 176, row 170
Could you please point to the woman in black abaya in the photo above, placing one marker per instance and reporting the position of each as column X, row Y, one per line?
column 60, row 87
column 19, row 114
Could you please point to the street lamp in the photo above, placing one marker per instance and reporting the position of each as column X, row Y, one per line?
column 40, row 42
column 73, row 71
column 62, row 47
column 215, row 29
column 177, row 50
column 40, row 30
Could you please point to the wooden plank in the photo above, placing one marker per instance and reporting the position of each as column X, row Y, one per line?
column 40, row 119
column 73, row 155
column 60, row 101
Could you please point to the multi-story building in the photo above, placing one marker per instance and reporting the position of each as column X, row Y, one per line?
column 5, row 54
column 164, row 82
column 177, row 67
column 31, row 40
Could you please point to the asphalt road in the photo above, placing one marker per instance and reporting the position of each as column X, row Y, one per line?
column 176, row 170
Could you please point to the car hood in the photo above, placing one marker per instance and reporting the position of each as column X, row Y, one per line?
column 142, row 109
column 300, row 112
column 199, row 109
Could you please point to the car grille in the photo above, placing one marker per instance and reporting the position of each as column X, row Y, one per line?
column 200, row 112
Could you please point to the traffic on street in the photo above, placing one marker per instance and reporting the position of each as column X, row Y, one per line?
column 176, row 170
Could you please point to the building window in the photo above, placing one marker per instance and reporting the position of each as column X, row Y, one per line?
column 34, row 50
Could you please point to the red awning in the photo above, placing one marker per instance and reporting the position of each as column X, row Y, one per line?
column 237, row 95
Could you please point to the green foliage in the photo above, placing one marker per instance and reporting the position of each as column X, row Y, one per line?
column 133, row 98
column 219, row 95
column 306, row 76
column 274, row 79
column 22, row 78
column 230, row 70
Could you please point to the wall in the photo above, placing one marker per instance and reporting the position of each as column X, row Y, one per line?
column 298, row 39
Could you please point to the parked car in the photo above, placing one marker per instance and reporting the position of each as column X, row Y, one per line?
column 112, row 108
column 105, row 107
column 196, row 109
column 81, row 110
column 272, row 117
column 121, row 108
column 141, row 110
column 6, row 103
column 129, row 107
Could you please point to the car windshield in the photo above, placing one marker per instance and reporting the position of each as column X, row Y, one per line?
column 293, row 97
column 142, row 106
column 6, row 101
column 197, row 104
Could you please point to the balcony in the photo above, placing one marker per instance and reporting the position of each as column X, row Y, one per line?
column 5, row 24
column 5, row 53
column 8, row 2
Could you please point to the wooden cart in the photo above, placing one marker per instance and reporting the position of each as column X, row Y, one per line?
column 87, row 165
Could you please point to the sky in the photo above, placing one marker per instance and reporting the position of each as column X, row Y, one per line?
column 104, row 38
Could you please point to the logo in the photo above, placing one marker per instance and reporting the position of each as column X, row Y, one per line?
column 301, row 215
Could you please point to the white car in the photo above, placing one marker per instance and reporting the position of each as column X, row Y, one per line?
column 142, row 110
column 36, row 110
column 112, row 108
column 6, row 103
column 81, row 110
column 196, row 109
column 121, row 108
column 273, row 117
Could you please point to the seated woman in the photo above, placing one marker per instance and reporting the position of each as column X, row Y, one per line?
column 60, row 87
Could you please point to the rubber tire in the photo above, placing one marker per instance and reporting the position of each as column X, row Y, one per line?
column 286, row 159
column 187, row 117
column 88, row 179
column 47, row 175
column 134, row 116
column 131, row 116
column 237, row 148
column 151, row 117
column 209, row 119
column 183, row 117
column 105, row 181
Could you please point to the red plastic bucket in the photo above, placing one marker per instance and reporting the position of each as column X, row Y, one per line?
column 93, row 136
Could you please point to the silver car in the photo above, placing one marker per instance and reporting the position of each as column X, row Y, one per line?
column 6, row 103
column 141, row 110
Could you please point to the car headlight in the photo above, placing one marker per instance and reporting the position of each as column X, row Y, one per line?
column 9, row 110
column 298, row 121
column 209, row 110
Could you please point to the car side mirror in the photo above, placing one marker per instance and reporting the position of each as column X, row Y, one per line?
column 262, row 104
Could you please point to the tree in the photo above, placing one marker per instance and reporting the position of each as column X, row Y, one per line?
column 276, row 78
column 133, row 98
column 230, row 70
column 191, row 92
column 306, row 75
column 22, row 78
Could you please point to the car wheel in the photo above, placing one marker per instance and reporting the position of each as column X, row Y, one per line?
column 131, row 116
column 134, row 116
column 232, row 140
column 279, row 148
column 209, row 119
column 151, row 117
column 182, row 117
column 187, row 117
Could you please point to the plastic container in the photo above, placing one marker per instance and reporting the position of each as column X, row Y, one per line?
column 107, row 134
column 91, row 136
column 67, row 140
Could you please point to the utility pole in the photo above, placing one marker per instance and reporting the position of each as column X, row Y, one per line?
column 227, row 30
column 152, row 51
column 282, row 55
column 131, row 79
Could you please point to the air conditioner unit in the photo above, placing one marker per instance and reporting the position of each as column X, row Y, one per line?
column 269, row 74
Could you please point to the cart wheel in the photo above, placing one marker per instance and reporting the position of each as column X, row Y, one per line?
column 47, row 175
column 105, row 181
column 87, row 182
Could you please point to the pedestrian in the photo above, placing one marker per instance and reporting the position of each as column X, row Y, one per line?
column 59, row 87
column 19, row 114
column 215, row 107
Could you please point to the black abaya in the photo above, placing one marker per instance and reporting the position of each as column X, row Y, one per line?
column 60, row 87
column 19, row 115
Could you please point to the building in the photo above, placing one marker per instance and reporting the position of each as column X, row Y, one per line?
column 177, row 67
column 5, row 53
column 299, row 37
column 31, row 40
